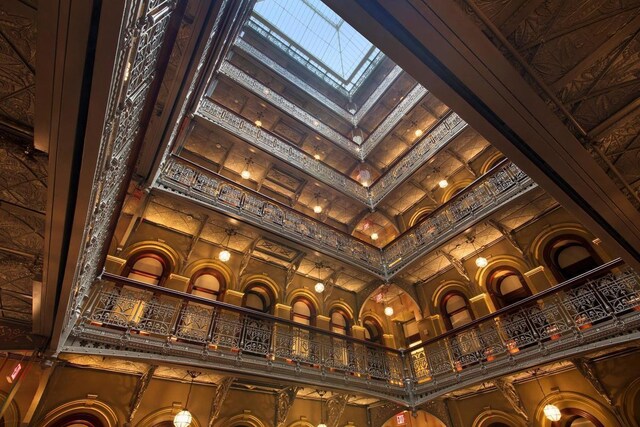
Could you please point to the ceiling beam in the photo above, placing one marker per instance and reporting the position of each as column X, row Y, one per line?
column 446, row 52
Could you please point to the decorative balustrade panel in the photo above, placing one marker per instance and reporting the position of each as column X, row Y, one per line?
column 273, row 145
column 470, row 206
column 292, row 78
column 598, row 308
column 377, row 93
column 253, row 85
column 169, row 318
column 392, row 119
column 256, row 209
column 433, row 141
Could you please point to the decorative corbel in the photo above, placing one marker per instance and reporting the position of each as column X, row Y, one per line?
column 141, row 387
column 587, row 370
column 509, row 234
column 293, row 267
column 439, row 409
column 246, row 256
column 222, row 389
column 511, row 396
column 284, row 402
column 335, row 407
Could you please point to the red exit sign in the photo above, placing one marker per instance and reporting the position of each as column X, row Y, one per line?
column 14, row 374
column 401, row 420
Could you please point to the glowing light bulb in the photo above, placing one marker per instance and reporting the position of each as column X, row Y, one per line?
column 481, row 262
column 245, row 174
column 224, row 255
column 182, row 419
column 374, row 236
column 365, row 183
column 317, row 208
column 388, row 311
column 316, row 156
column 443, row 184
column 552, row 412
column 258, row 123
column 322, row 425
column 418, row 132
column 319, row 287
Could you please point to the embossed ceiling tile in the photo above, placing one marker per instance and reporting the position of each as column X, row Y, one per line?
column 270, row 259
column 210, row 145
column 555, row 57
column 625, row 67
column 491, row 8
column 618, row 137
column 405, row 197
column 388, row 151
column 230, row 96
column 16, row 274
column 22, row 178
column 593, row 111
column 21, row 232
column 628, row 165
column 160, row 212
column 309, row 268
column 530, row 29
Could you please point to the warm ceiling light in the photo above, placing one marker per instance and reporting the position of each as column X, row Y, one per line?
column 418, row 132
column 317, row 208
column 182, row 419
column 444, row 183
column 316, row 156
column 481, row 262
column 258, row 123
column 224, row 255
column 552, row 412
column 245, row 174
column 319, row 287
column 322, row 425
column 374, row 236
column 388, row 311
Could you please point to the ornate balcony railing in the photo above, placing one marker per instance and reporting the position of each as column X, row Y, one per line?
column 277, row 147
column 138, row 316
column 500, row 185
column 433, row 141
column 206, row 187
column 594, row 310
column 598, row 309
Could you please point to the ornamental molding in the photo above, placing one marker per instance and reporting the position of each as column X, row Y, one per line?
column 488, row 194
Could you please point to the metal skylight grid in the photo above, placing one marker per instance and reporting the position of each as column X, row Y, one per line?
column 324, row 37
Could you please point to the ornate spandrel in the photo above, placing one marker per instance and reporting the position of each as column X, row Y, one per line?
column 284, row 402
column 222, row 390
column 335, row 407
column 511, row 395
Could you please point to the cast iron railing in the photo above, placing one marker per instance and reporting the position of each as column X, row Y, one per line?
column 597, row 309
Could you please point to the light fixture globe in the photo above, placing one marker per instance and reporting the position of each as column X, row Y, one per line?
column 552, row 412
column 388, row 311
column 443, row 183
column 317, row 208
column 481, row 262
column 245, row 174
column 224, row 255
column 182, row 419
column 322, row 425
column 418, row 132
column 374, row 236
column 319, row 287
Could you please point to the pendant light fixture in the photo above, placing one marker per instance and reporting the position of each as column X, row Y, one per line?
column 357, row 135
column 321, row 393
column 246, row 172
column 184, row 417
column 224, row 254
column 481, row 262
column 388, row 311
column 551, row 411
column 374, row 236
column 443, row 183
column 317, row 208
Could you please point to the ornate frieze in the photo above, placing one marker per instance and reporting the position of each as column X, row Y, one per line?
column 292, row 78
column 252, row 207
column 435, row 140
column 275, row 146
column 392, row 119
column 253, row 85
column 475, row 203
column 480, row 199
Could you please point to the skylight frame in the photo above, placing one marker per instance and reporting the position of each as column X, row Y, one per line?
column 346, row 86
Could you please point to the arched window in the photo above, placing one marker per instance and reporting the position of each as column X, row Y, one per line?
column 570, row 256
column 372, row 330
column 258, row 297
column 303, row 312
column 207, row 283
column 507, row 286
column 455, row 309
column 148, row 267
column 572, row 417
column 340, row 322
column 79, row 420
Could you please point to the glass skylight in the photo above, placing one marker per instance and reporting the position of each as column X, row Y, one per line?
column 315, row 36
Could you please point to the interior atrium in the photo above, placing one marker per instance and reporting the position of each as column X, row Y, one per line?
column 319, row 213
